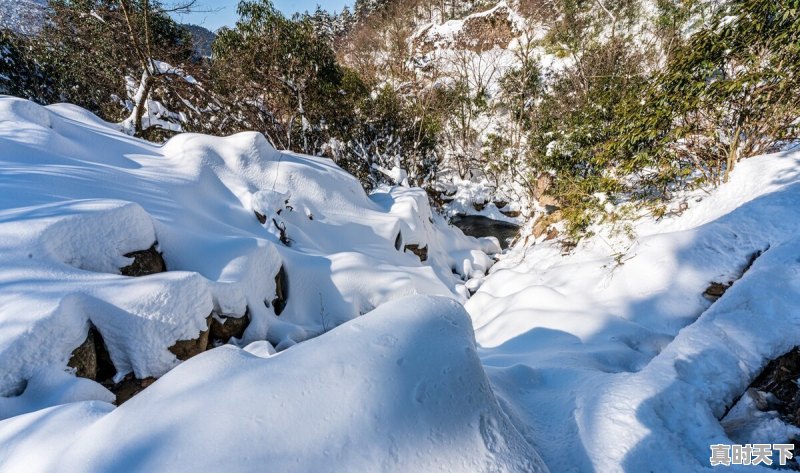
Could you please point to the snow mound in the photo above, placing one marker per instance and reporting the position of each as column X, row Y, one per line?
column 611, row 359
column 234, row 219
column 400, row 389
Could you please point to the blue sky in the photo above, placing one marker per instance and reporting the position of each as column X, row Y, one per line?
column 218, row 13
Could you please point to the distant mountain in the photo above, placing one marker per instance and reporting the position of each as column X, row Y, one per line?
column 22, row 16
column 202, row 38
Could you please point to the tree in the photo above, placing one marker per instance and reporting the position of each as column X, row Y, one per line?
column 281, row 72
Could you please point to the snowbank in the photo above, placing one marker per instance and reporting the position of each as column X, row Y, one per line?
column 610, row 358
column 78, row 195
column 400, row 389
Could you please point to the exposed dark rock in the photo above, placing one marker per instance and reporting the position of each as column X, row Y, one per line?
column 715, row 290
column 91, row 359
column 230, row 327
column 479, row 206
column 511, row 213
column 421, row 252
column 262, row 219
column 145, row 262
column 185, row 349
column 281, row 291
column 551, row 234
column 129, row 387
column 500, row 203
column 84, row 358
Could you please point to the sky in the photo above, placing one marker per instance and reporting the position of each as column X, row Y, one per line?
column 214, row 14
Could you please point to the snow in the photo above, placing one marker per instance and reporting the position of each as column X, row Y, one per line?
column 78, row 195
column 400, row 389
column 610, row 357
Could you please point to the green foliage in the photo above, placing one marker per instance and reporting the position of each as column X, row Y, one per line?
column 730, row 92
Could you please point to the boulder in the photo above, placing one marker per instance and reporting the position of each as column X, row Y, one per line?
column 225, row 327
column 715, row 290
column 91, row 359
column 281, row 291
column 421, row 252
column 145, row 262
column 129, row 387
column 185, row 349
column 84, row 358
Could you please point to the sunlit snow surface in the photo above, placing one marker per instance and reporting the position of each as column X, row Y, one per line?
column 607, row 359
column 612, row 360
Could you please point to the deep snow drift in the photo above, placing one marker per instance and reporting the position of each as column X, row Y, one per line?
column 77, row 195
column 605, row 359
column 611, row 359
column 400, row 389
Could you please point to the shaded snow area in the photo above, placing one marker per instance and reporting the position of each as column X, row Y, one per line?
column 611, row 359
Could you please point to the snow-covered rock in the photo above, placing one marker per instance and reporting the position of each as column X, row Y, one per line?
column 78, row 195
column 400, row 389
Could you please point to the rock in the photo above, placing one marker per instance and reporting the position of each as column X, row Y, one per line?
column 229, row 327
column 421, row 252
column 551, row 234
column 84, row 358
column 281, row 291
column 91, row 359
column 511, row 213
column 129, row 387
column 500, row 203
column 145, row 262
column 185, row 349
column 542, row 225
column 479, row 206
column 543, row 183
column 548, row 201
column 715, row 290
column 262, row 219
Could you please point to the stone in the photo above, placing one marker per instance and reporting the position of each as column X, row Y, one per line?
column 185, row 349
column 552, row 234
column 129, row 387
column 715, row 290
column 91, row 359
column 84, row 358
column 262, row 219
column 543, row 183
column 229, row 327
column 281, row 291
column 421, row 252
column 547, row 201
column 145, row 262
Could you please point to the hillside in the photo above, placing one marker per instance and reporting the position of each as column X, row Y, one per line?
column 463, row 236
column 590, row 349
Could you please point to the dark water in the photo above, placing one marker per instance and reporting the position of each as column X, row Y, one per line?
column 478, row 226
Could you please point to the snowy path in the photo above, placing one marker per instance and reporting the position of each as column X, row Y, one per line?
column 609, row 367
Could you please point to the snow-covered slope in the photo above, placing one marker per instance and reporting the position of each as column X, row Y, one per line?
column 77, row 195
column 400, row 389
column 611, row 359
